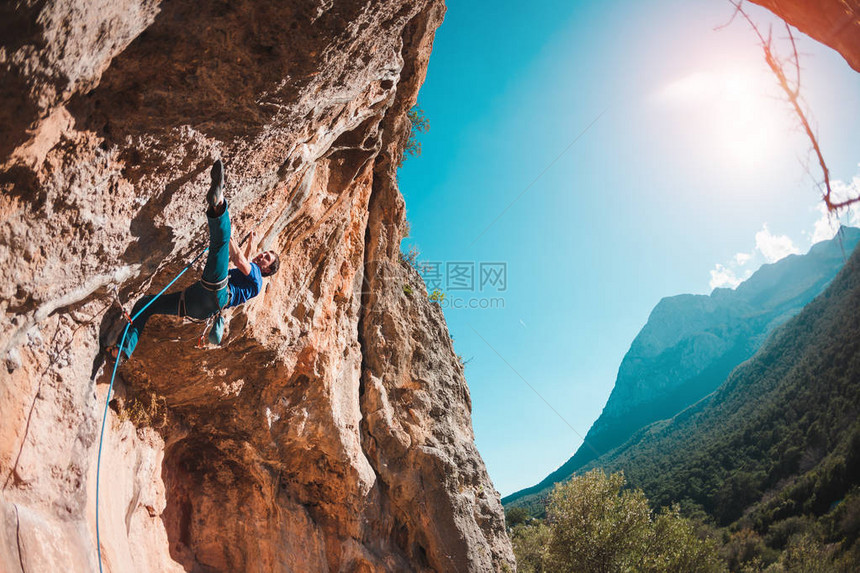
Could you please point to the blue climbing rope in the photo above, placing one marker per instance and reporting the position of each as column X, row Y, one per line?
column 110, row 388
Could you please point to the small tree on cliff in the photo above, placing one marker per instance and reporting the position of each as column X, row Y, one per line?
column 417, row 124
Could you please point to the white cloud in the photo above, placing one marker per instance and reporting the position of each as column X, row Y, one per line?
column 722, row 277
column 828, row 223
column 843, row 191
column 774, row 247
column 771, row 248
column 689, row 88
column 768, row 248
column 825, row 227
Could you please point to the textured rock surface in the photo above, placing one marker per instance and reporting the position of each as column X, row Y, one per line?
column 331, row 431
column 832, row 22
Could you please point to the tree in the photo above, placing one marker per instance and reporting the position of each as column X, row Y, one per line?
column 595, row 526
column 418, row 123
column 676, row 547
column 530, row 544
column 598, row 526
column 516, row 516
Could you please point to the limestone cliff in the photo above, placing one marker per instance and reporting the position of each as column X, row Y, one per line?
column 331, row 431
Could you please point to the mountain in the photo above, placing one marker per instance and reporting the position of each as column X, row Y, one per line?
column 779, row 441
column 691, row 343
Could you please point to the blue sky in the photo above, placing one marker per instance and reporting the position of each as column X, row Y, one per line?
column 692, row 176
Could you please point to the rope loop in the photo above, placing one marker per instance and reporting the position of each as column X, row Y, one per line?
column 129, row 321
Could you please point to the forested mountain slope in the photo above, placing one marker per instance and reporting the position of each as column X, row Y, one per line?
column 691, row 343
column 780, row 440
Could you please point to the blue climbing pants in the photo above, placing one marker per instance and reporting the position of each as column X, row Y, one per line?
column 199, row 301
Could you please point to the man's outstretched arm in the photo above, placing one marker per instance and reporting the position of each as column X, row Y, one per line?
column 239, row 259
column 251, row 244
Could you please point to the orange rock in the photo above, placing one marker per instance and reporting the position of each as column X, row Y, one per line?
column 296, row 445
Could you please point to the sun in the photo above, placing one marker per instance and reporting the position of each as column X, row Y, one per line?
column 750, row 121
column 733, row 114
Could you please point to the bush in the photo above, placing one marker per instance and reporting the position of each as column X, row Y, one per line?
column 529, row 543
column 596, row 525
column 417, row 124
column 805, row 554
column 516, row 516
column 410, row 257
column 437, row 296
column 779, row 533
column 675, row 545
column 745, row 550
column 848, row 516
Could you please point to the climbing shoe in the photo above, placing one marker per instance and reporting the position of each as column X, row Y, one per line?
column 215, row 196
column 217, row 332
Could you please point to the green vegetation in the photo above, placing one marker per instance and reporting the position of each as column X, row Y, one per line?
column 143, row 409
column 417, row 124
column 410, row 257
column 530, row 543
column 437, row 296
column 595, row 525
column 770, row 462
column 697, row 368
column 515, row 516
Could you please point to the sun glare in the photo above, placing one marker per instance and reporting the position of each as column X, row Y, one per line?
column 732, row 113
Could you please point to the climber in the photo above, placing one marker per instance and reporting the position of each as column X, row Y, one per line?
column 217, row 289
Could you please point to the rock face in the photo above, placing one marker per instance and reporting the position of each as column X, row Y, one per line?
column 331, row 431
column 691, row 343
column 832, row 22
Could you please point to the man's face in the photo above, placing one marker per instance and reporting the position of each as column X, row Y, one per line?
column 264, row 259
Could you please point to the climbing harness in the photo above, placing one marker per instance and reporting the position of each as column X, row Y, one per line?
column 129, row 320
column 217, row 318
column 215, row 287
